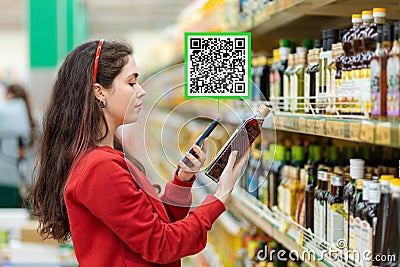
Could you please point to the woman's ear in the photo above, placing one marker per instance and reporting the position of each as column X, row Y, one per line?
column 98, row 91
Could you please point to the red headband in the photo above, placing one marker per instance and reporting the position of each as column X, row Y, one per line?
column 96, row 59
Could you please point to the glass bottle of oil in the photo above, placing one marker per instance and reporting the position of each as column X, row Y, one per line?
column 378, row 77
column 331, row 72
column 301, row 206
column 338, row 93
column 382, row 221
column 321, row 204
column 370, row 218
column 293, row 190
column 310, row 195
column 393, row 77
column 282, row 199
column 309, row 81
column 358, row 213
column 392, row 237
column 301, row 65
column 272, row 79
column 361, row 72
column 335, row 210
column 287, row 83
column 276, row 173
column 356, row 173
column 241, row 140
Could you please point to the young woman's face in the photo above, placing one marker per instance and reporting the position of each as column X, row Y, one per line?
column 124, row 99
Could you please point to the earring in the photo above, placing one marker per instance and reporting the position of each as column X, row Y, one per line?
column 103, row 103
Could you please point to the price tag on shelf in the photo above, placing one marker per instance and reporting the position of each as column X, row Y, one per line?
column 355, row 128
column 383, row 133
column 302, row 125
column 298, row 237
column 367, row 133
column 282, row 225
column 320, row 127
column 339, row 129
column 330, row 128
column 311, row 126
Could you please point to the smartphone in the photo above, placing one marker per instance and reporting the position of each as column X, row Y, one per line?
column 200, row 140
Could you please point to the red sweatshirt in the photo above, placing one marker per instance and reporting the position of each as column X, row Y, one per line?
column 117, row 219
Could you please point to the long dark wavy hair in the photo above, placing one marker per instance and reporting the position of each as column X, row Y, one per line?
column 72, row 125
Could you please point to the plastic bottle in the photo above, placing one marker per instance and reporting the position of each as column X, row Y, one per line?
column 356, row 172
column 240, row 140
column 383, row 215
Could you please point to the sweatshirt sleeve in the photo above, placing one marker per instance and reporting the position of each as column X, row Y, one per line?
column 112, row 195
column 178, row 198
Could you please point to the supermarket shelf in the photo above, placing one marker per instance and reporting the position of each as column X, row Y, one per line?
column 311, row 249
column 293, row 18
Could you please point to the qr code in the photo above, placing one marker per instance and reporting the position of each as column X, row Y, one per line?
column 217, row 65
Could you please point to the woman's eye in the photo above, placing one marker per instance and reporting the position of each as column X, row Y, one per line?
column 132, row 84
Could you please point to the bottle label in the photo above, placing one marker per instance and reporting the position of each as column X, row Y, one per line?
column 293, row 92
column 306, row 91
column 317, row 219
column 286, row 92
column 334, row 227
column 332, row 100
column 366, row 240
column 375, row 87
column 322, row 219
column 346, row 94
column 358, row 234
column 393, row 93
column 352, row 233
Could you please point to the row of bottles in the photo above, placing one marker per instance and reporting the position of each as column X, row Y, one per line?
column 318, row 189
column 350, row 72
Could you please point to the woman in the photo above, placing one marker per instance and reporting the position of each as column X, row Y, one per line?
column 85, row 188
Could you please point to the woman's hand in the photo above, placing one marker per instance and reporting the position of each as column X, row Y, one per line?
column 229, row 176
column 185, row 172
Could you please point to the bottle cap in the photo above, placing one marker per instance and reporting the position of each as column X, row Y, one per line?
column 301, row 49
column 284, row 43
column 336, row 180
column 284, row 52
column 357, row 162
column 379, row 12
column 263, row 110
column 386, row 177
column 317, row 43
column 308, row 43
column 367, row 15
column 275, row 54
column 359, row 184
column 395, row 182
column 356, row 18
column 280, row 152
column 297, row 153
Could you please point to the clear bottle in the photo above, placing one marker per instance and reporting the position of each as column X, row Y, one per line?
column 293, row 190
column 392, row 237
column 369, row 219
column 240, row 140
column 309, row 81
column 330, row 107
column 272, row 79
column 393, row 77
column 356, row 172
column 287, row 83
column 378, row 76
column 297, row 81
column 282, row 189
column 301, row 206
column 356, row 199
column 335, row 210
column 280, row 68
column 383, row 216
column 276, row 173
column 338, row 93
